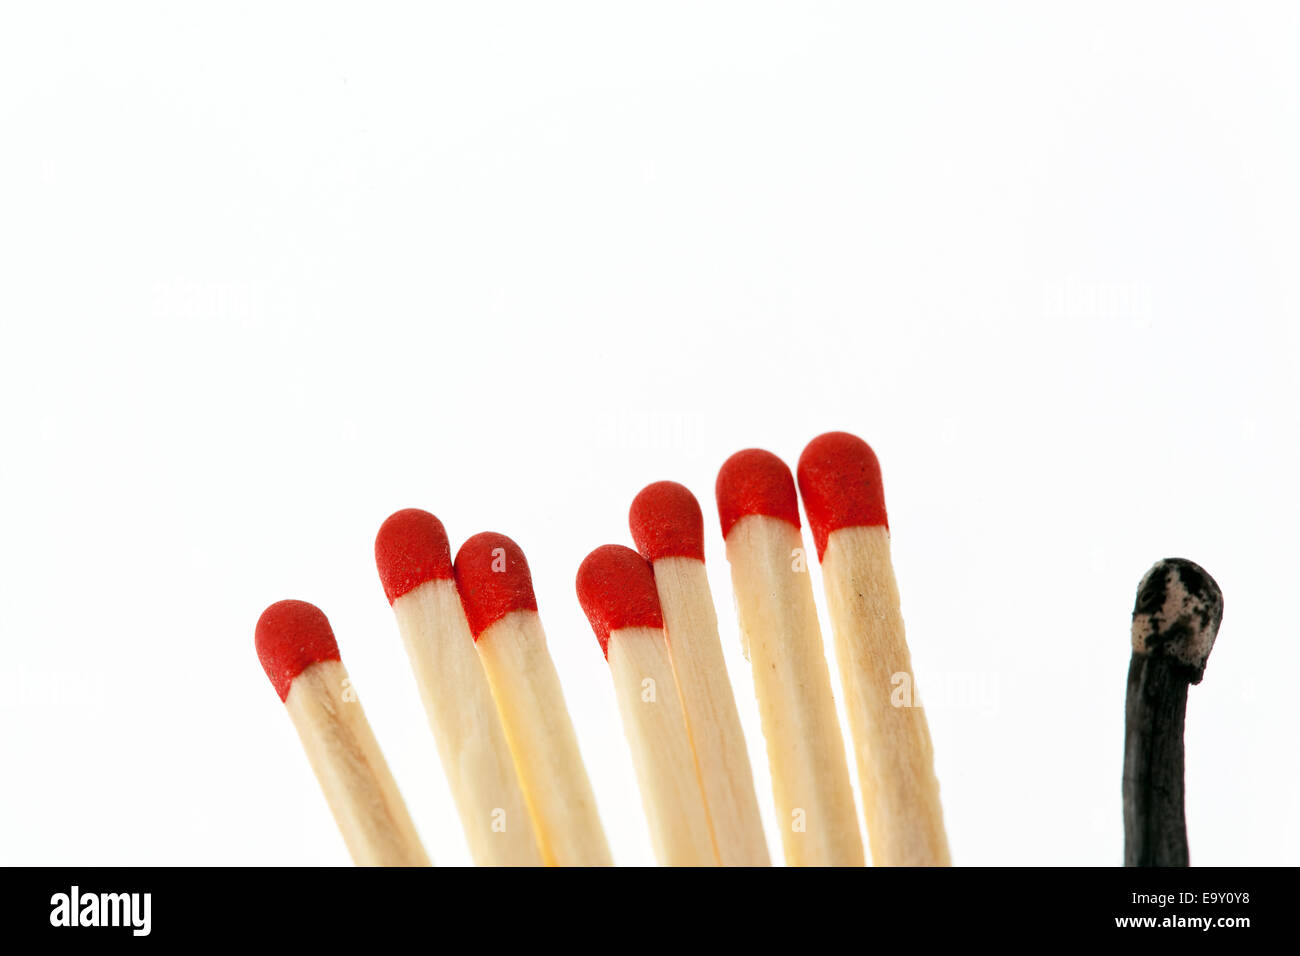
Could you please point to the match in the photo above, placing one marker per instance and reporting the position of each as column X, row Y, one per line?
column 839, row 480
column 668, row 528
column 1175, row 621
column 759, row 511
column 617, row 591
column 414, row 562
column 296, row 646
column 496, row 589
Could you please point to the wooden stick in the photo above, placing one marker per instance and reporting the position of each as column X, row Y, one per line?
column 414, row 563
column 297, row 648
column 496, row 588
column 778, row 621
column 668, row 528
column 616, row 590
column 1175, row 621
column 839, row 479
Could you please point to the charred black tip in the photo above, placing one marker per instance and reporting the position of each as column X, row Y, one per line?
column 1177, row 614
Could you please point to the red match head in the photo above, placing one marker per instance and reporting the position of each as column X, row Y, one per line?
column 411, row 548
column 616, row 588
column 666, row 522
column 493, row 579
column 290, row 637
column 755, row 482
column 839, row 479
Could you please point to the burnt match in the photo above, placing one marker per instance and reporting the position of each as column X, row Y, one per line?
column 1175, row 620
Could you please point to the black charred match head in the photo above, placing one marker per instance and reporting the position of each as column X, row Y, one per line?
column 1177, row 614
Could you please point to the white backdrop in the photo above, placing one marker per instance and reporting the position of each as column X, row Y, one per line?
column 269, row 274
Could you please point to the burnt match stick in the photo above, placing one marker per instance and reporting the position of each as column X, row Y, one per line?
column 759, row 511
column 617, row 591
column 496, row 588
column 299, row 654
column 839, row 479
column 668, row 529
column 1175, row 620
column 414, row 561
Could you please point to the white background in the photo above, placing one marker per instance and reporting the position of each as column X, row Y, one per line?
column 268, row 273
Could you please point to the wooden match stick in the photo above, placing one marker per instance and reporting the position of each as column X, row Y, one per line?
column 617, row 591
column 668, row 529
column 839, row 479
column 1175, row 621
column 759, row 511
column 496, row 588
column 298, row 652
column 414, row 562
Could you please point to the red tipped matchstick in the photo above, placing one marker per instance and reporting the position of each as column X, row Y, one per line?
column 496, row 588
column 617, row 591
column 296, row 646
column 759, row 512
column 839, row 478
column 668, row 528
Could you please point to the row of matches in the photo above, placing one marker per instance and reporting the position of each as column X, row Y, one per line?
column 508, row 748
column 507, row 745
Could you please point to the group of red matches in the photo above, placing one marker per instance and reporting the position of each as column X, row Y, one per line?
column 506, row 742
